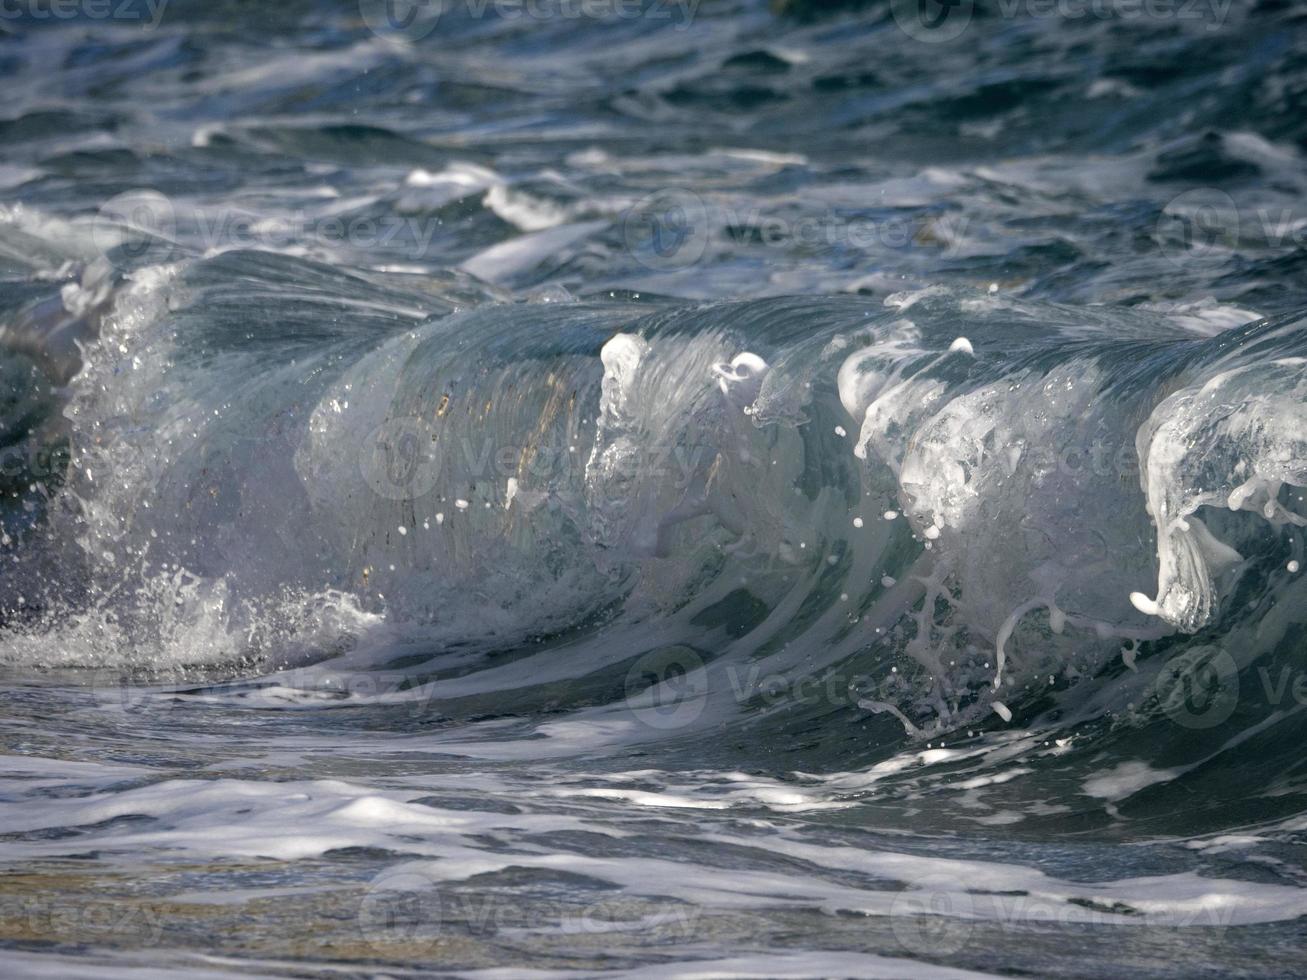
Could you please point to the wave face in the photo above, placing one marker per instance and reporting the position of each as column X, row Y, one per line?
column 765, row 492
column 956, row 498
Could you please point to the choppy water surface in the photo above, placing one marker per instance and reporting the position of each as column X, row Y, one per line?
column 674, row 490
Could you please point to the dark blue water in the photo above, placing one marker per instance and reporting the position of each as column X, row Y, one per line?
column 573, row 488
